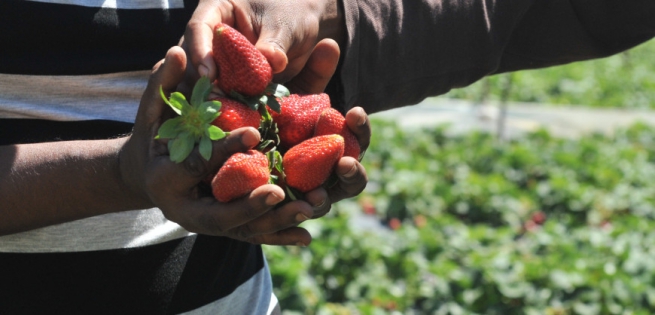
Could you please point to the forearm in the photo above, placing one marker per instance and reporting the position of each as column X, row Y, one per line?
column 333, row 23
column 48, row 183
column 557, row 32
column 399, row 52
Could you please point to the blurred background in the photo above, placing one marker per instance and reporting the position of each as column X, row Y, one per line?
column 525, row 193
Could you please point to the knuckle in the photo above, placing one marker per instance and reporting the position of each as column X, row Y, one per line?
column 193, row 24
column 255, row 240
column 244, row 232
column 320, row 212
column 250, row 213
column 222, row 150
column 212, row 223
column 195, row 166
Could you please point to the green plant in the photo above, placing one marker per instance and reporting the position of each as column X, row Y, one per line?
column 468, row 225
column 625, row 80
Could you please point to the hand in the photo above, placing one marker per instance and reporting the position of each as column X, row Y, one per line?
column 352, row 176
column 284, row 31
column 174, row 188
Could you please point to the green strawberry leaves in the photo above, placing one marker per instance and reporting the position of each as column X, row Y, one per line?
column 181, row 146
column 193, row 125
column 276, row 91
column 270, row 97
column 201, row 91
column 169, row 129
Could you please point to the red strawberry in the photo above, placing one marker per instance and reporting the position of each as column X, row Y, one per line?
column 298, row 116
column 332, row 122
column 241, row 174
column 309, row 164
column 235, row 114
column 241, row 67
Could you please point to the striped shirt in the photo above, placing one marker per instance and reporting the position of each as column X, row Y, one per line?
column 75, row 69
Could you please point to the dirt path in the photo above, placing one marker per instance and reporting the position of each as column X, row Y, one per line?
column 561, row 121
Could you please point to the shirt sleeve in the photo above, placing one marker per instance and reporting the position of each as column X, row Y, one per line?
column 399, row 52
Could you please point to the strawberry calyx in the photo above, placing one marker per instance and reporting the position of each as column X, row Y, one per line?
column 193, row 125
column 274, row 92
column 278, row 176
column 270, row 97
column 267, row 128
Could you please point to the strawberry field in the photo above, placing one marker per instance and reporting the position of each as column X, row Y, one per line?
column 469, row 225
column 626, row 80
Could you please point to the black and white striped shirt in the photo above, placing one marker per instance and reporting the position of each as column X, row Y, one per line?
column 75, row 69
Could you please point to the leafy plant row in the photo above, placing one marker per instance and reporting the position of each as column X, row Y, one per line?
column 625, row 80
column 469, row 225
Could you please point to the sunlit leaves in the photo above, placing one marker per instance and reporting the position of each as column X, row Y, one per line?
column 468, row 241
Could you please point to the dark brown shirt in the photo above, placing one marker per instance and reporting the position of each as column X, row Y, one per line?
column 400, row 52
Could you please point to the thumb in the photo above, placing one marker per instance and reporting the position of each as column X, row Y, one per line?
column 274, row 47
column 166, row 74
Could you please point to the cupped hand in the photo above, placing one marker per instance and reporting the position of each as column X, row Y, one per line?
column 175, row 187
column 314, row 78
column 350, row 172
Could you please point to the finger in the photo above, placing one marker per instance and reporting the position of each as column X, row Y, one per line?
column 358, row 122
column 199, row 34
column 320, row 202
column 276, row 36
column 196, row 168
column 280, row 218
column 352, row 181
column 274, row 51
column 209, row 216
column 292, row 236
column 166, row 74
column 318, row 70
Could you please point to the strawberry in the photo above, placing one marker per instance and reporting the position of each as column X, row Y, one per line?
column 309, row 164
column 193, row 125
column 241, row 67
column 235, row 114
column 241, row 174
column 297, row 118
column 332, row 122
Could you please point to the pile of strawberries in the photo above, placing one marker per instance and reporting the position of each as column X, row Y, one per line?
column 302, row 136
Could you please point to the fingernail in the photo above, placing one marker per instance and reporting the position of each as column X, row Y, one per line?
column 351, row 172
column 301, row 217
column 203, row 71
column 362, row 119
column 250, row 138
column 320, row 203
column 300, row 244
column 273, row 199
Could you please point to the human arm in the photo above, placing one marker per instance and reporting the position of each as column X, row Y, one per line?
column 49, row 183
column 397, row 53
column 293, row 58
column 284, row 31
column 313, row 78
